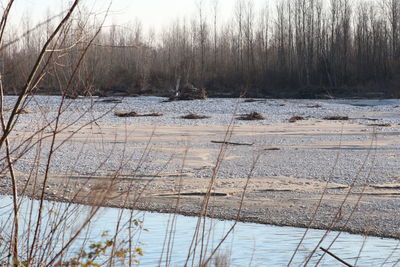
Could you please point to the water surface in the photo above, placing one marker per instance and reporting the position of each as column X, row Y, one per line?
column 249, row 245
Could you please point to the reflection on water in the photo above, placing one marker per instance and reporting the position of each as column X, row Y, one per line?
column 249, row 245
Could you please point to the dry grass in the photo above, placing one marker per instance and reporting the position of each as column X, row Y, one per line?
column 220, row 260
column 55, row 229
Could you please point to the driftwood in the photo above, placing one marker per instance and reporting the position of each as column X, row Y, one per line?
column 213, row 194
column 272, row 149
column 380, row 125
column 232, row 143
column 134, row 114
column 314, row 106
column 367, row 119
column 336, row 118
column 276, row 190
column 250, row 100
column 394, row 186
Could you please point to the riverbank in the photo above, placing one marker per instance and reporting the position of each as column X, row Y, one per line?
column 152, row 163
column 313, row 92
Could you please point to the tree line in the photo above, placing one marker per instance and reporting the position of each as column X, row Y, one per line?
column 288, row 48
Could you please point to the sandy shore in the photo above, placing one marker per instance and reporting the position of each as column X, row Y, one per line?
column 167, row 168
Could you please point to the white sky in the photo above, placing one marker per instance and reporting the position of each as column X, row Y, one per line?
column 153, row 13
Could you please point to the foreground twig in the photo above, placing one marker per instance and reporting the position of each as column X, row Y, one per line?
column 336, row 257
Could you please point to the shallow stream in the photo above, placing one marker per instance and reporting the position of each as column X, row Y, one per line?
column 249, row 244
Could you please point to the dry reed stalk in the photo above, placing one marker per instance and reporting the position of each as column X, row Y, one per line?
column 41, row 248
column 336, row 217
column 325, row 190
column 364, row 187
column 56, row 129
column 31, row 79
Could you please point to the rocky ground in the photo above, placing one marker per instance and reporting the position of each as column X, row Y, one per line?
column 349, row 169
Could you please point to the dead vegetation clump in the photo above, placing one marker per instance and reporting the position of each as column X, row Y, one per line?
column 296, row 118
column 189, row 92
column 253, row 116
column 133, row 114
column 192, row 116
column 71, row 95
column 336, row 118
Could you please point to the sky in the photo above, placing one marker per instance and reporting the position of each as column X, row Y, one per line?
column 152, row 13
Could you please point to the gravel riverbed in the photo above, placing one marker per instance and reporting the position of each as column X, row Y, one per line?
column 295, row 160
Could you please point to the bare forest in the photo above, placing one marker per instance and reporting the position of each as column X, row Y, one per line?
column 289, row 48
